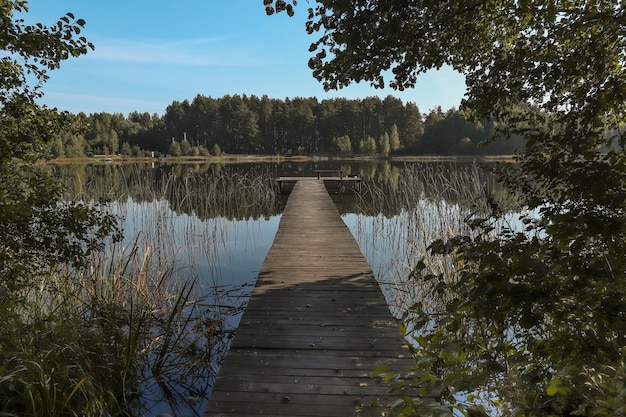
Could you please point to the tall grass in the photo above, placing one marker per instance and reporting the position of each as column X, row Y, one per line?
column 141, row 325
column 205, row 191
column 96, row 341
column 410, row 209
column 229, row 194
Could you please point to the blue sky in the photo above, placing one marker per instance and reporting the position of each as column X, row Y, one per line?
column 150, row 53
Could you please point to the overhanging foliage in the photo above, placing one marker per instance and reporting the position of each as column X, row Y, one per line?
column 534, row 322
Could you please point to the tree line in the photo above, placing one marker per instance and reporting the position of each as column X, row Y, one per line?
column 262, row 125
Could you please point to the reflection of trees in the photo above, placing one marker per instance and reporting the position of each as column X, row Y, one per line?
column 389, row 189
column 240, row 191
column 230, row 194
column 233, row 192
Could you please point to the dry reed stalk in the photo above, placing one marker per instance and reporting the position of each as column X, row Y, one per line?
column 426, row 202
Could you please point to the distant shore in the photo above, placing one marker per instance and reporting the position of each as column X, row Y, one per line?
column 233, row 159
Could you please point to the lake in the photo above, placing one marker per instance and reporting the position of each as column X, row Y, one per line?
column 214, row 224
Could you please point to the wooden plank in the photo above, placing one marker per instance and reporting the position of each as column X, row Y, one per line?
column 275, row 361
column 316, row 325
column 344, row 178
column 354, row 182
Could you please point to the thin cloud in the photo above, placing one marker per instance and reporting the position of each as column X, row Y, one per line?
column 190, row 52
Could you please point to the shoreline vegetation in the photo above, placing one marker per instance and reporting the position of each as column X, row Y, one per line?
column 525, row 311
column 253, row 158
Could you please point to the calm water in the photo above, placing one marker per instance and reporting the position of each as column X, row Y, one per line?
column 215, row 224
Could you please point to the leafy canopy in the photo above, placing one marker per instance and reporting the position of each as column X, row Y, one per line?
column 36, row 231
column 563, row 55
column 534, row 322
column 29, row 52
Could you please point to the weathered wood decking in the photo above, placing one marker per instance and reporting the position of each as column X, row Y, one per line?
column 354, row 183
column 316, row 325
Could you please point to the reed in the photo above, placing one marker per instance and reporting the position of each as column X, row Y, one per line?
column 101, row 341
column 410, row 209
column 142, row 325
column 228, row 193
column 206, row 191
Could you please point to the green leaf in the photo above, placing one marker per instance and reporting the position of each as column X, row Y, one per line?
column 381, row 369
column 556, row 388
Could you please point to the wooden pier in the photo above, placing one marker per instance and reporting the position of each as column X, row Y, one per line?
column 339, row 181
column 316, row 325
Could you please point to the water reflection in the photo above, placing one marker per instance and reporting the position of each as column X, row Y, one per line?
column 215, row 223
column 223, row 257
column 398, row 220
